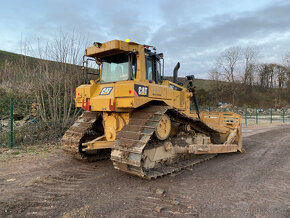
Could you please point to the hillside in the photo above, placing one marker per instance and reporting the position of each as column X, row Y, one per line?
column 13, row 57
column 7, row 55
column 209, row 92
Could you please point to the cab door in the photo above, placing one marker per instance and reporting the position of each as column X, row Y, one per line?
column 153, row 75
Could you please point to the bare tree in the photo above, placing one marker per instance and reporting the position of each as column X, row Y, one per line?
column 287, row 59
column 287, row 66
column 51, row 79
column 56, row 82
column 214, row 75
column 228, row 62
column 250, row 56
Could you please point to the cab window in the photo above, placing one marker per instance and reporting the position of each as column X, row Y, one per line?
column 115, row 68
column 134, row 67
column 149, row 69
column 158, row 72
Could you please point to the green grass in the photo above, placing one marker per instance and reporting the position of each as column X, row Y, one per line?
column 4, row 55
column 13, row 57
column 22, row 103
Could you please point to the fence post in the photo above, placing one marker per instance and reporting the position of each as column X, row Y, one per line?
column 256, row 116
column 246, row 116
column 283, row 115
column 271, row 118
column 11, row 122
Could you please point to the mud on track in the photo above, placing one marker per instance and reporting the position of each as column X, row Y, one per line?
column 256, row 183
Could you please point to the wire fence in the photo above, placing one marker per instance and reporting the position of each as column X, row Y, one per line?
column 250, row 116
column 254, row 116
column 14, row 127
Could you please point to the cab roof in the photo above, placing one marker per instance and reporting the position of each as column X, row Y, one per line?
column 99, row 50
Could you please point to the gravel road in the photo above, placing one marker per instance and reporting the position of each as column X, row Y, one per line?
column 253, row 184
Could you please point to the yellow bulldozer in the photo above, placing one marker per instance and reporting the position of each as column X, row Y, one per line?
column 147, row 125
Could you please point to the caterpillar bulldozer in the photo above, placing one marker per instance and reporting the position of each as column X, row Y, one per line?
column 147, row 125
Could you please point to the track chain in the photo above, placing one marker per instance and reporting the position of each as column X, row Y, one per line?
column 127, row 154
column 72, row 138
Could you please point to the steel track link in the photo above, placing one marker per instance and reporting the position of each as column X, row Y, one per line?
column 127, row 154
column 72, row 138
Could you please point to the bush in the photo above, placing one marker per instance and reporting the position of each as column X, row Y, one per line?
column 31, row 134
column 22, row 103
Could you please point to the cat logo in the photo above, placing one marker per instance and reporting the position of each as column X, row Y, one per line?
column 106, row 90
column 141, row 90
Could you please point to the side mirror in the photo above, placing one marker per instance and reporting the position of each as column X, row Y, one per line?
column 190, row 77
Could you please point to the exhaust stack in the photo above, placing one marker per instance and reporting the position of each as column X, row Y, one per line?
column 175, row 72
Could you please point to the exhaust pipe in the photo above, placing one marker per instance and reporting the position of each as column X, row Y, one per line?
column 175, row 71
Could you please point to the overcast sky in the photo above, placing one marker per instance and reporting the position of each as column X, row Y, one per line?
column 190, row 31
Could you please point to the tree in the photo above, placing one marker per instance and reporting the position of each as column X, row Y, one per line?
column 287, row 66
column 228, row 62
column 214, row 75
column 51, row 78
column 250, row 56
column 55, row 83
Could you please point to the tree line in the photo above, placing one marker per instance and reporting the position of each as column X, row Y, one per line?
column 246, row 75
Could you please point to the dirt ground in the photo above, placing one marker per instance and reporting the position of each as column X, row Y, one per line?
column 253, row 184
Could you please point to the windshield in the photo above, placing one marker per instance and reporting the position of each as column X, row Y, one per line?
column 115, row 68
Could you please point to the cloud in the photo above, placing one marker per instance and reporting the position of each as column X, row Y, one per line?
column 190, row 31
column 198, row 43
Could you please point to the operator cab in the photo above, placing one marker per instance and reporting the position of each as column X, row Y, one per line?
column 113, row 65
